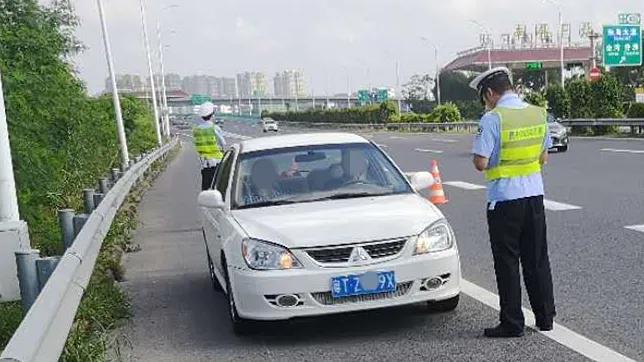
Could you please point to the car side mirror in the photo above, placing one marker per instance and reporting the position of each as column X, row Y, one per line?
column 211, row 199
column 420, row 180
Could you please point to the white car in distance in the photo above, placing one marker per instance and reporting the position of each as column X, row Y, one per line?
column 269, row 125
column 313, row 224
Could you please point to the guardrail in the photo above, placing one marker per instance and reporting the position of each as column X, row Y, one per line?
column 402, row 127
column 619, row 122
column 42, row 333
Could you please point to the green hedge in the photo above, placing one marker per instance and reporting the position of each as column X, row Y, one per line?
column 61, row 139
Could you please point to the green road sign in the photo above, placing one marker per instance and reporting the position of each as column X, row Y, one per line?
column 630, row 18
column 534, row 66
column 622, row 45
column 199, row 99
column 382, row 95
column 364, row 97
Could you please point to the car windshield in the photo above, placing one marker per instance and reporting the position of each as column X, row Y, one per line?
column 314, row 173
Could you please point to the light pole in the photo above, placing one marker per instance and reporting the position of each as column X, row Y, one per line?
column 560, row 36
column 488, row 44
column 165, row 115
column 125, row 157
column 152, row 88
column 8, row 197
column 398, row 90
column 438, row 69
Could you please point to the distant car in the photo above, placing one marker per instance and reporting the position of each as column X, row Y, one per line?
column 558, row 134
column 313, row 224
column 269, row 125
column 219, row 121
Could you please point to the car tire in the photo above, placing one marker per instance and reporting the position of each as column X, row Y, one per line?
column 446, row 305
column 562, row 148
column 240, row 325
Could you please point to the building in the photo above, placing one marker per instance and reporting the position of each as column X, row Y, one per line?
column 252, row 84
column 289, row 83
column 229, row 87
column 125, row 83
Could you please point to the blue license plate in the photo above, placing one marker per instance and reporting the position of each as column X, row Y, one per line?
column 367, row 283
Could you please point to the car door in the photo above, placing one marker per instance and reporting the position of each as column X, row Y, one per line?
column 222, row 219
column 212, row 227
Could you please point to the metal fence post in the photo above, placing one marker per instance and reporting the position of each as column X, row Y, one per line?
column 115, row 175
column 66, row 222
column 88, row 198
column 27, row 276
column 79, row 221
column 104, row 185
column 98, row 198
column 45, row 267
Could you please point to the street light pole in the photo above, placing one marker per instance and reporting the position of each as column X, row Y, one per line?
column 561, row 48
column 488, row 44
column 438, row 77
column 146, row 40
column 8, row 197
column 125, row 157
column 398, row 90
column 164, row 97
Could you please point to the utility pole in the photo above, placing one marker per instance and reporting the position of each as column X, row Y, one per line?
column 146, row 40
column 8, row 198
column 164, row 97
column 398, row 90
column 125, row 157
column 438, row 76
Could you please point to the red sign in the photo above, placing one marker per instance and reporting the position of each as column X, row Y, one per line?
column 595, row 74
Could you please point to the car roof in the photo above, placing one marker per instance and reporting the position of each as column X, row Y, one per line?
column 297, row 140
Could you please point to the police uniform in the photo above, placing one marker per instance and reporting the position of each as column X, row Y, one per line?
column 512, row 137
column 209, row 143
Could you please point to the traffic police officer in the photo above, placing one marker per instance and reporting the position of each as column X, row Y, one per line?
column 209, row 143
column 510, row 148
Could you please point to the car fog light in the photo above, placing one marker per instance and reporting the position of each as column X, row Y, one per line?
column 433, row 283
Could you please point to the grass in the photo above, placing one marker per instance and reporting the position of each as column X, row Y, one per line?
column 104, row 305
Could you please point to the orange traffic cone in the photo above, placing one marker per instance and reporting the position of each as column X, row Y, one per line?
column 436, row 194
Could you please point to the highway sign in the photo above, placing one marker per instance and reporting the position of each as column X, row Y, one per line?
column 364, row 97
column 629, row 18
column 622, row 45
column 534, row 66
column 199, row 99
column 382, row 95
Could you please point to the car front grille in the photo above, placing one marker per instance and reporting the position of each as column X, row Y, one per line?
column 326, row 298
column 341, row 254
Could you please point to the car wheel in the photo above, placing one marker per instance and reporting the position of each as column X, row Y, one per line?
column 240, row 325
column 446, row 305
column 562, row 148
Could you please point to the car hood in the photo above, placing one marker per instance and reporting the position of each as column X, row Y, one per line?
column 555, row 127
column 337, row 222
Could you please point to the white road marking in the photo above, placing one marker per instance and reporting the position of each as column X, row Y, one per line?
column 621, row 151
column 444, row 140
column 558, row 206
column 234, row 135
column 464, row 185
column 427, row 151
column 396, row 138
column 559, row 333
column 639, row 228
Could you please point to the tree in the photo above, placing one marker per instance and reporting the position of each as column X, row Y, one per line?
column 558, row 101
column 581, row 98
column 447, row 112
column 416, row 93
column 455, row 86
column 607, row 97
column 536, row 98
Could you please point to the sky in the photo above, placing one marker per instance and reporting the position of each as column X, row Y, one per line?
column 336, row 43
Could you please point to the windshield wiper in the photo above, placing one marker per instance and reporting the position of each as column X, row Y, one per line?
column 267, row 203
column 351, row 195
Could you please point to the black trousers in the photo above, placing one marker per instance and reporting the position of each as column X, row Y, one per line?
column 207, row 177
column 518, row 235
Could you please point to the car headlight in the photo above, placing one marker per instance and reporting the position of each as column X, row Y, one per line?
column 435, row 238
column 261, row 255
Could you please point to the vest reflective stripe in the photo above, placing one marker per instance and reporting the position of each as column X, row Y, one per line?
column 522, row 136
column 206, row 143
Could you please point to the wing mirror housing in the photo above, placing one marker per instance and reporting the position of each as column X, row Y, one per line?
column 211, row 199
column 420, row 180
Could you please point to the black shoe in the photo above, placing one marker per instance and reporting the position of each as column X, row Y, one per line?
column 501, row 332
column 544, row 326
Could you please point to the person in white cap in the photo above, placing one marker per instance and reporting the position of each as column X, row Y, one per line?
column 209, row 142
column 510, row 148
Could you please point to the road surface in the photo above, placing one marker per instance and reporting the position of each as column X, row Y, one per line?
column 595, row 196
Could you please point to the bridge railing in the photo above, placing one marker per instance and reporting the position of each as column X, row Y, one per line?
column 43, row 332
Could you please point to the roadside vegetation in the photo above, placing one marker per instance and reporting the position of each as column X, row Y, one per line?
column 62, row 141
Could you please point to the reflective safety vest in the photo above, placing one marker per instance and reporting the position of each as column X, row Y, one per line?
column 522, row 136
column 206, row 143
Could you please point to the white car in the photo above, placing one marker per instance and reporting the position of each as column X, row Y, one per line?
column 269, row 125
column 312, row 224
